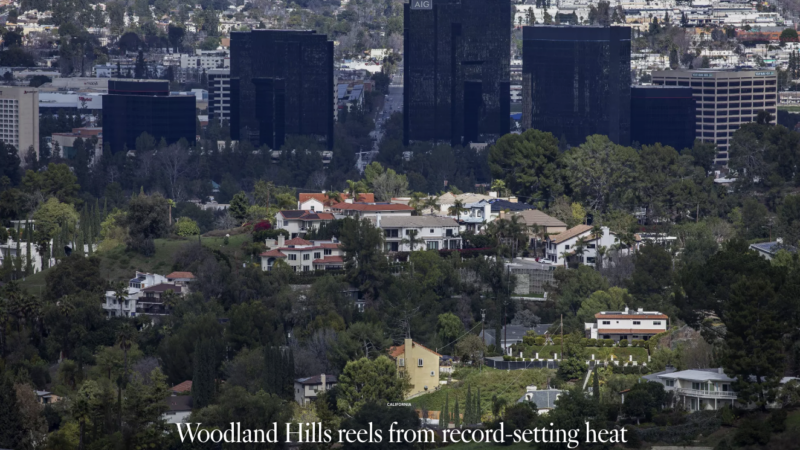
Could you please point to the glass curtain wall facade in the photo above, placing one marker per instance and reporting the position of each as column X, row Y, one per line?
column 281, row 84
column 134, row 107
column 663, row 114
column 580, row 81
column 456, row 71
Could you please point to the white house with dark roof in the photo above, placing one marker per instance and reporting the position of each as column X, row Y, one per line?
column 302, row 255
column 627, row 324
column 544, row 399
column 431, row 232
column 371, row 209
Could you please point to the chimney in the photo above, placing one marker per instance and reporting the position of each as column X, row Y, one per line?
column 721, row 370
column 322, row 378
column 513, row 200
column 378, row 220
column 641, row 310
column 626, row 310
column 281, row 240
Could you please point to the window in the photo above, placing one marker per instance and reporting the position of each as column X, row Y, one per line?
column 566, row 247
column 419, row 362
column 433, row 245
column 327, row 252
column 606, row 322
column 637, row 322
column 670, row 383
column 606, row 336
column 317, row 255
column 590, row 246
column 306, row 256
column 590, row 260
column 401, row 362
column 306, row 268
column 390, row 233
column 656, row 322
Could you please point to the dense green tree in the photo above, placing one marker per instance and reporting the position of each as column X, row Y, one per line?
column 11, row 427
column 364, row 261
column 651, row 281
column 363, row 381
column 146, row 219
column 528, row 163
column 205, row 374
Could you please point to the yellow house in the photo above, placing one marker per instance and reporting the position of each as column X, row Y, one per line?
column 420, row 363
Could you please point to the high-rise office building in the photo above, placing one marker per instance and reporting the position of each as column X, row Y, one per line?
column 219, row 94
column 133, row 107
column 580, row 81
column 663, row 114
column 725, row 99
column 456, row 70
column 19, row 119
column 281, row 84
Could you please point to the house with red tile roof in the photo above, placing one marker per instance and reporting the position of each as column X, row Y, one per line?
column 420, row 363
column 299, row 222
column 321, row 202
column 302, row 255
column 627, row 325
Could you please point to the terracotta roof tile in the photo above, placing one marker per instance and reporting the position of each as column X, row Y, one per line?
column 372, row 207
column 626, row 331
column 395, row 351
column 329, row 259
column 275, row 253
column 186, row 386
column 297, row 241
column 571, row 233
column 181, row 275
column 323, row 198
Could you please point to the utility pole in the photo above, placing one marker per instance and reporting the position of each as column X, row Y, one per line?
column 483, row 321
column 505, row 327
column 562, row 336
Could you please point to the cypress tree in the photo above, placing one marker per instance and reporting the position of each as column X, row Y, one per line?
column 596, row 386
column 468, row 407
column 18, row 259
column 444, row 416
column 97, row 219
column 478, row 410
column 203, row 377
column 11, row 426
column 456, row 416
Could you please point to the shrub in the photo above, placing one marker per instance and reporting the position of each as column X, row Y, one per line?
column 271, row 233
column 727, row 417
column 623, row 342
column 507, row 358
column 186, row 227
column 751, row 432
column 584, row 342
column 263, row 225
column 608, row 342
column 539, row 341
column 777, row 420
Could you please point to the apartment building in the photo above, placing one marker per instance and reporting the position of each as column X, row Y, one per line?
column 206, row 59
column 626, row 325
column 19, row 118
column 725, row 100
column 219, row 94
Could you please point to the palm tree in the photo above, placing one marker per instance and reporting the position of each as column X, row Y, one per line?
column 120, row 294
column 416, row 202
column 335, row 196
column 169, row 299
column 580, row 246
column 565, row 255
column 354, row 188
column 536, row 231
column 431, row 202
column 171, row 204
column 412, row 240
column 499, row 186
column 601, row 253
column 457, row 208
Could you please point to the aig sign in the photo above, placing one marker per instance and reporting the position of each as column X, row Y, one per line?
column 421, row 4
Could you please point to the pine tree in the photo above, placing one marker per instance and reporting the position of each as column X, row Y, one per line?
column 444, row 416
column 596, row 386
column 456, row 415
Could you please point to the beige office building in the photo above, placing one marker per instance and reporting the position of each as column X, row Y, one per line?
column 725, row 100
column 19, row 118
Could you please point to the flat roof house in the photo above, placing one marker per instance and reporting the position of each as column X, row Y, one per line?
column 430, row 233
column 371, row 209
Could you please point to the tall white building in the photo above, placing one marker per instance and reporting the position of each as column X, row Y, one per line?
column 219, row 94
column 19, row 118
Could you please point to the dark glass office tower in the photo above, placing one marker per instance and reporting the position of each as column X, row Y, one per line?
column 133, row 107
column 457, row 71
column 580, row 81
column 281, row 83
column 664, row 114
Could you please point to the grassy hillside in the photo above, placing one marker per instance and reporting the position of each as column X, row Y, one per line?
column 119, row 264
column 509, row 385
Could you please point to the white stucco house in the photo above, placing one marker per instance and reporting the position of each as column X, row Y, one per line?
column 431, row 232
column 563, row 247
column 627, row 325
column 302, row 255
column 300, row 222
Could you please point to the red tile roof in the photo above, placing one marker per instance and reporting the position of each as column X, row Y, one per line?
column 186, row 386
column 398, row 350
column 275, row 253
column 298, row 241
column 329, row 245
column 372, row 207
column 329, row 259
column 180, row 275
column 631, row 316
column 323, row 198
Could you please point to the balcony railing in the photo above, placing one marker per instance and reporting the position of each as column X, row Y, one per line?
column 708, row 394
